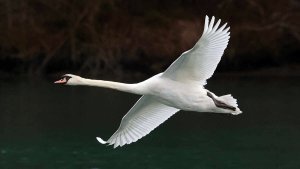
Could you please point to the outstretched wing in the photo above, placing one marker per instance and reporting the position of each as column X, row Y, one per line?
column 142, row 118
column 200, row 62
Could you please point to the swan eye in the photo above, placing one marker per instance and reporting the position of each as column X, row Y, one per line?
column 66, row 77
column 63, row 80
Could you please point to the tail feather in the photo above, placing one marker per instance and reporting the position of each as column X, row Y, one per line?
column 228, row 99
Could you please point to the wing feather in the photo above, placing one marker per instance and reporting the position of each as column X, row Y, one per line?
column 142, row 118
column 199, row 63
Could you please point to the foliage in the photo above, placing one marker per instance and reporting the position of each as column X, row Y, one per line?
column 117, row 36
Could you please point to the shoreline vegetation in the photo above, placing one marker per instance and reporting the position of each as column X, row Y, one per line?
column 117, row 37
column 285, row 71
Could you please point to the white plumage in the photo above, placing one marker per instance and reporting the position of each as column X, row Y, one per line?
column 141, row 119
column 200, row 62
column 180, row 87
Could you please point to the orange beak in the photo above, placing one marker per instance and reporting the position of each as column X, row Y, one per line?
column 61, row 81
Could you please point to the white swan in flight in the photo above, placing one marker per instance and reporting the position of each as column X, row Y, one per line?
column 180, row 87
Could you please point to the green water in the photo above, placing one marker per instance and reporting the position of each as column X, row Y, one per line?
column 45, row 126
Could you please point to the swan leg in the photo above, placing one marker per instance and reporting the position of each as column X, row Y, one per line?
column 219, row 103
column 237, row 112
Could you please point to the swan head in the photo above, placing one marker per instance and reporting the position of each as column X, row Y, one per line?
column 69, row 79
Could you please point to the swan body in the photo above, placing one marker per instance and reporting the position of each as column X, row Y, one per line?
column 180, row 87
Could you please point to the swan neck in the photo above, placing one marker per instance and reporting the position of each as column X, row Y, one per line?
column 130, row 88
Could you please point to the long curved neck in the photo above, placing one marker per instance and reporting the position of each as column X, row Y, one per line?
column 130, row 88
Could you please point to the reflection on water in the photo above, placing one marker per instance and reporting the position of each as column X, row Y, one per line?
column 48, row 126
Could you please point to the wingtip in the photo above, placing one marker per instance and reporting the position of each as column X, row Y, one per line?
column 206, row 19
column 206, row 24
column 227, row 29
column 100, row 140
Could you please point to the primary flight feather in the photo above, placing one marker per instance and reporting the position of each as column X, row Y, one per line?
column 180, row 87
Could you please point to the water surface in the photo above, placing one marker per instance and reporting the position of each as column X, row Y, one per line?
column 47, row 126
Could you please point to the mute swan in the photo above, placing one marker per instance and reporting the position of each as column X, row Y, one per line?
column 180, row 87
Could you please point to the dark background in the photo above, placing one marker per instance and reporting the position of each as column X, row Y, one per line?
column 132, row 39
column 46, row 126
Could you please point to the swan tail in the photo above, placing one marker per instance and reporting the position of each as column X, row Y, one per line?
column 101, row 140
column 228, row 99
